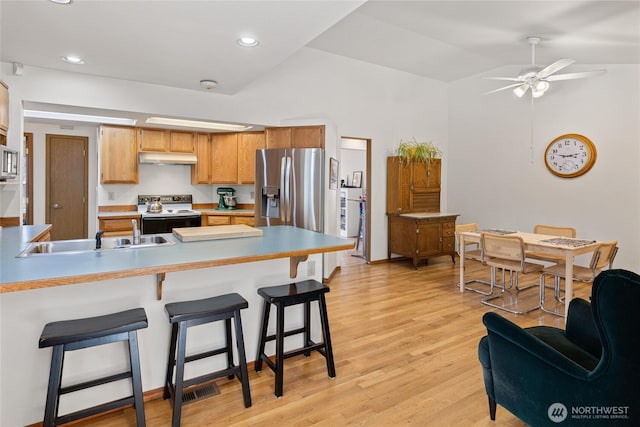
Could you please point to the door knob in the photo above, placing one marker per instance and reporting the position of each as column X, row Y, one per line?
column 56, row 206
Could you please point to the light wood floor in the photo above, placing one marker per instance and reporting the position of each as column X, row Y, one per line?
column 405, row 344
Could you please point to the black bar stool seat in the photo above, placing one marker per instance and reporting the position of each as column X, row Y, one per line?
column 69, row 335
column 185, row 314
column 287, row 295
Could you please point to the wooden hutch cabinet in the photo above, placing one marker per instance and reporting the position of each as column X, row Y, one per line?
column 416, row 227
column 413, row 186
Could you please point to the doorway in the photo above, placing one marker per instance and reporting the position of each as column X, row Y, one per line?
column 67, row 186
column 355, row 198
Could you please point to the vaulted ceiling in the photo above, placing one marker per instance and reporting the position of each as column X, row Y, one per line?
column 178, row 43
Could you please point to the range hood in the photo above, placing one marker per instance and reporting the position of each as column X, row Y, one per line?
column 168, row 158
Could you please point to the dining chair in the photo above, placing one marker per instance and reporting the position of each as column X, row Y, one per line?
column 602, row 258
column 506, row 251
column 471, row 252
column 551, row 230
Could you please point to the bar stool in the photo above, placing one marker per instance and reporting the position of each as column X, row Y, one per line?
column 185, row 314
column 75, row 334
column 283, row 296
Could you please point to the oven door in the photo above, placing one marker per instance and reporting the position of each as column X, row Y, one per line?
column 155, row 225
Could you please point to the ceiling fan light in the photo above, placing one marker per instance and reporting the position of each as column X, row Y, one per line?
column 520, row 91
column 537, row 93
column 541, row 86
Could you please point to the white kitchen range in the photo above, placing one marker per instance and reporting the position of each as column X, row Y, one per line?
column 163, row 213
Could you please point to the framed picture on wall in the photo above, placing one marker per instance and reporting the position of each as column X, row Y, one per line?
column 333, row 174
column 357, row 179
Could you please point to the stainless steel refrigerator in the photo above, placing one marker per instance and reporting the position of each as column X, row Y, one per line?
column 289, row 188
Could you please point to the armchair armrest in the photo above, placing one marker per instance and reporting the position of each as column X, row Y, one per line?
column 531, row 345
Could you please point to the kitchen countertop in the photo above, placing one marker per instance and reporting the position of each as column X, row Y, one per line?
column 35, row 272
column 420, row 215
column 227, row 212
column 118, row 214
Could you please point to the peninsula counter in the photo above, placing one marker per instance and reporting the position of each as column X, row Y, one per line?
column 40, row 289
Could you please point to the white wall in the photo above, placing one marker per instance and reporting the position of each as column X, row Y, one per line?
column 350, row 97
column 497, row 176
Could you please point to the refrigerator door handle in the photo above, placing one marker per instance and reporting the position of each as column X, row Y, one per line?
column 287, row 190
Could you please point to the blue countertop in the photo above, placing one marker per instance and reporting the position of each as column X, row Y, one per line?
column 34, row 272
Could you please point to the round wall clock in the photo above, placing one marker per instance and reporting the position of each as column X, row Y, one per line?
column 570, row 155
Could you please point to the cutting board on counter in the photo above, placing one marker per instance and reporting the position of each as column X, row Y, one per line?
column 215, row 232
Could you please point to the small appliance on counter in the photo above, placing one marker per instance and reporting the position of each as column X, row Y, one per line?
column 227, row 198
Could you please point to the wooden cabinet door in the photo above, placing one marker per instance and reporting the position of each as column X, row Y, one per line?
column 118, row 155
column 4, row 108
column 248, row 143
column 218, row 220
column 278, row 137
column 246, row 220
column 425, row 186
column 307, row 137
column 153, row 139
column 182, row 142
column 224, row 158
column 201, row 171
column 429, row 238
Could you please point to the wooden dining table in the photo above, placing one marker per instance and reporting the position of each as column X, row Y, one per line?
column 567, row 247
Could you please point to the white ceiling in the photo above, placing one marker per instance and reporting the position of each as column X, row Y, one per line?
column 178, row 43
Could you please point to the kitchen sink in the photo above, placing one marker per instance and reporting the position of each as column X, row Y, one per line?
column 89, row 245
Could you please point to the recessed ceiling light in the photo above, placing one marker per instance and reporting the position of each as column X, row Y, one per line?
column 60, row 1
column 78, row 117
column 208, row 84
column 247, row 42
column 195, row 124
column 73, row 60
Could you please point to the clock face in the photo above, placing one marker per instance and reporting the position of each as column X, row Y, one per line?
column 570, row 155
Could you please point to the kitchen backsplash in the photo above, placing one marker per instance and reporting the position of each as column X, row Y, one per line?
column 167, row 179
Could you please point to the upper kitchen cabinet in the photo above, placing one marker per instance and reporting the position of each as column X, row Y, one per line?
column 153, row 139
column 248, row 143
column 182, row 142
column 413, row 186
column 162, row 140
column 224, row 158
column 118, row 155
column 4, row 111
column 201, row 171
column 295, row 137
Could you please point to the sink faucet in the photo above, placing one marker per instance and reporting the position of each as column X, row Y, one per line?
column 99, row 239
column 136, row 232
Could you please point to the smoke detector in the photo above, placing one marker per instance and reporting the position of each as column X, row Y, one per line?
column 208, row 84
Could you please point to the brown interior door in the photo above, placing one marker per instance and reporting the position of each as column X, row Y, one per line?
column 66, row 187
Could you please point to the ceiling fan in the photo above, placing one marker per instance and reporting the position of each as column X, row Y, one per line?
column 537, row 79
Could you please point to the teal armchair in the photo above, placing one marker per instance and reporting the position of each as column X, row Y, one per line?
column 587, row 374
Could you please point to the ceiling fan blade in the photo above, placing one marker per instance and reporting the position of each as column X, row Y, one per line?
column 556, row 66
column 502, row 88
column 509, row 79
column 572, row 76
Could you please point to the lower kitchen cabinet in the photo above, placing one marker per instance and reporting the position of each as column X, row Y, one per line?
column 208, row 219
column 114, row 226
column 420, row 236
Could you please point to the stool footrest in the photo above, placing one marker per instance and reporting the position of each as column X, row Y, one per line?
column 96, row 382
column 205, row 354
column 296, row 352
column 94, row 410
column 286, row 334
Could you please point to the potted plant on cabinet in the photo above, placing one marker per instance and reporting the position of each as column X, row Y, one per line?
column 414, row 151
